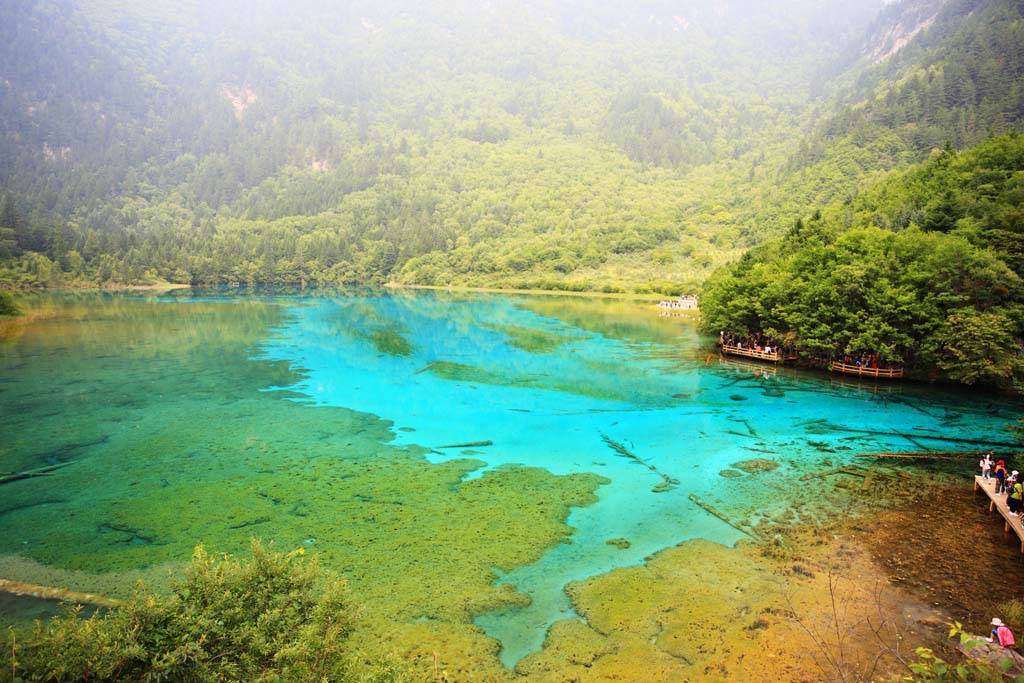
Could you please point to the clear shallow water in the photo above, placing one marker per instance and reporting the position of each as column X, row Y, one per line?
column 123, row 387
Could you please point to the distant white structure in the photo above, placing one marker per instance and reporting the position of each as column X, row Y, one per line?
column 687, row 302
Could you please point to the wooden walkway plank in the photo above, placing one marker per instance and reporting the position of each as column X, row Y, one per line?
column 864, row 371
column 997, row 501
column 773, row 357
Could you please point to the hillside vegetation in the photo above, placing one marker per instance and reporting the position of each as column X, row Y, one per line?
column 547, row 144
column 924, row 270
column 958, row 79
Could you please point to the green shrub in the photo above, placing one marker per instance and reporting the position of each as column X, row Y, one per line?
column 275, row 617
column 928, row 668
column 1013, row 613
column 7, row 305
column 931, row 669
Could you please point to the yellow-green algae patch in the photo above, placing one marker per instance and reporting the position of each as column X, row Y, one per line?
column 391, row 342
column 189, row 452
column 532, row 340
column 674, row 620
column 419, row 545
column 404, row 531
column 618, row 390
column 460, row 372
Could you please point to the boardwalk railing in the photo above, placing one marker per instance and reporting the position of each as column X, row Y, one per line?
column 860, row 370
column 731, row 350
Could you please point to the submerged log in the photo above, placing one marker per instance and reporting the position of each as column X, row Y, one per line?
column 37, row 472
column 925, row 437
column 869, row 479
column 667, row 482
column 855, row 470
column 818, row 475
column 62, row 594
column 937, row 455
column 715, row 512
column 469, row 444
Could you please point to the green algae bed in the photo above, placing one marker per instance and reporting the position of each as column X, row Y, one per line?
column 406, row 534
column 531, row 340
column 391, row 342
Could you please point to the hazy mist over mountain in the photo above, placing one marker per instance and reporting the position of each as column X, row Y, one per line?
column 576, row 145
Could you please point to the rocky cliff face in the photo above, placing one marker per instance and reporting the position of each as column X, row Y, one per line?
column 899, row 24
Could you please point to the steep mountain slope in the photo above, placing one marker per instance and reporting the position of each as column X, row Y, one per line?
column 505, row 143
column 936, row 74
column 552, row 143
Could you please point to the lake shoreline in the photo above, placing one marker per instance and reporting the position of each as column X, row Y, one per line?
column 652, row 297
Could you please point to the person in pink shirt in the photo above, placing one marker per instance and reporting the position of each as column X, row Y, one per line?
column 1001, row 633
column 986, row 464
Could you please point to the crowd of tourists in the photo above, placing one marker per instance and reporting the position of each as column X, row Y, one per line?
column 864, row 360
column 1008, row 483
column 759, row 342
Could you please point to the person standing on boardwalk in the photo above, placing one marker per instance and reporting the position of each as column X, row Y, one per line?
column 986, row 466
column 1000, row 473
column 1002, row 633
column 1016, row 497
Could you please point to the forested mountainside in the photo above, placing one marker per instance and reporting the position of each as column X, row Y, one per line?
column 923, row 270
column 551, row 143
column 938, row 73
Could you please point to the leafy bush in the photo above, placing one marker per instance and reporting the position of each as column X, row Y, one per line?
column 7, row 305
column 1013, row 612
column 272, row 618
column 932, row 669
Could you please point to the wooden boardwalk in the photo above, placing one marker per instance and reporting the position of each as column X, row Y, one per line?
column 864, row 371
column 773, row 357
column 998, row 502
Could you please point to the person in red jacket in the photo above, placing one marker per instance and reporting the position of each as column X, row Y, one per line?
column 1000, row 475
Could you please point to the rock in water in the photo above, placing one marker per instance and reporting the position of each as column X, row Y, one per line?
column 756, row 465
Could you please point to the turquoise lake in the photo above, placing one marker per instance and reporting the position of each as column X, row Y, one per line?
column 211, row 417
